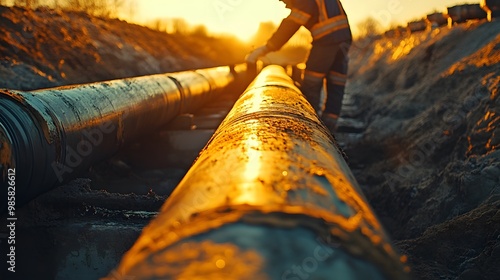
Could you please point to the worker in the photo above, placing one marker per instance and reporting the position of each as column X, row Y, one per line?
column 329, row 27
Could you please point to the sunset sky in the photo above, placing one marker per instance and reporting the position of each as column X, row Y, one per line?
column 242, row 17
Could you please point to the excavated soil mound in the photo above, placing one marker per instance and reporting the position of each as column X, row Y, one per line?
column 429, row 159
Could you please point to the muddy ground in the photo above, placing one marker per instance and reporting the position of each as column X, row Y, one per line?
column 428, row 159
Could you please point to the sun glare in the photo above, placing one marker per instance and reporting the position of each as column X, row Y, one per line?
column 240, row 18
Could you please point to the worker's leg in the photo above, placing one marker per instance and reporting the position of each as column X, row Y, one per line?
column 311, row 88
column 335, row 85
column 318, row 65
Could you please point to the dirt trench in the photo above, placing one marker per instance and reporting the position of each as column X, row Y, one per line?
column 429, row 160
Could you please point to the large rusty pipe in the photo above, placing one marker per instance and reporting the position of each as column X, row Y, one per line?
column 50, row 135
column 269, row 197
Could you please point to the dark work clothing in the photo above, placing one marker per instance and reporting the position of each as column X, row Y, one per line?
column 328, row 62
column 326, row 19
column 329, row 27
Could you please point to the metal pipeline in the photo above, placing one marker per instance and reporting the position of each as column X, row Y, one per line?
column 49, row 136
column 269, row 197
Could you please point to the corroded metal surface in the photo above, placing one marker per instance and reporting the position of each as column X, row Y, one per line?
column 52, row 135
column 270, row 181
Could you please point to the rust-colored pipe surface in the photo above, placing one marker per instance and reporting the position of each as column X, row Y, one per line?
column 49, row 136
column 270, row 197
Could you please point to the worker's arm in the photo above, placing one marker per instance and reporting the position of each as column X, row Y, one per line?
column 287, row 28
column 300, row 15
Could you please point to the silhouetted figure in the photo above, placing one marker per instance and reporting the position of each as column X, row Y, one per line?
column 329, row 27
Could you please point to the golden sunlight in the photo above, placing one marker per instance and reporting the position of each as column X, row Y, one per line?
column 252, row 169
column 242, row 17
column 237, row 17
